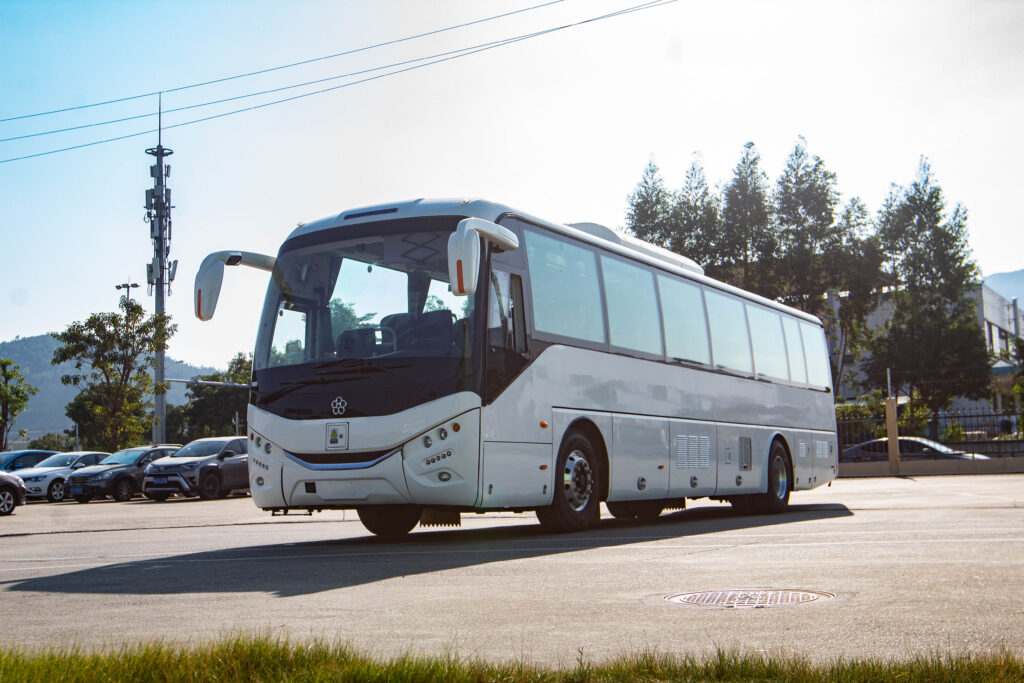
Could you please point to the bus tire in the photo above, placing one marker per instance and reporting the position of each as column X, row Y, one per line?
column 390, row 521
column 648, row 509
column 576, row 505
column 621, row 510
column 776, row 499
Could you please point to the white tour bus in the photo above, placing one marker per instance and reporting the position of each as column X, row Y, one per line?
column 419, row 360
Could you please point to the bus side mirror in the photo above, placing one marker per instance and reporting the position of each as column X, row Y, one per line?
column 464, row 251
column 211, row 275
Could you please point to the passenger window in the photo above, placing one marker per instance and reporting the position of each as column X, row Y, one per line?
column 769, row 345
column 795, row 350
column 818, row 369
column 730, row 342
column 686, row 331
column 633, row 321
column 565, row 292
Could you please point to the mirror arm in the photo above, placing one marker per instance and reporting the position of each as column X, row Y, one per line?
column 211, row 274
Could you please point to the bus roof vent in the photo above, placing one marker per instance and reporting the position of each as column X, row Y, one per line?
column 372, row 212
column 630, row 242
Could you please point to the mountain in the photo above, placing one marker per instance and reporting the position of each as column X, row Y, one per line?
column 1010, row 285
column 45, row 410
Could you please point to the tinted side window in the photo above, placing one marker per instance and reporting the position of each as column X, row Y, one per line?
column 565, row 292
column 730, row 342
column 795, row 350
column 818, row 369
column 686, row 331
column 769, row 345
column 633, row 321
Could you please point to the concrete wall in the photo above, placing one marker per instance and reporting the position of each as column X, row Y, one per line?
column 912, row 468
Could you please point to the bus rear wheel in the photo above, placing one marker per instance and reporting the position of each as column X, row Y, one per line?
column 390, row 521
column 776, row 499
column 576, row 504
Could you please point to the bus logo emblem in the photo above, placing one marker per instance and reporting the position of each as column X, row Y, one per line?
column 338, row 406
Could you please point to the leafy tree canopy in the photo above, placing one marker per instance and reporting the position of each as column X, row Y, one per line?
column 112, row 353
column 14, row 395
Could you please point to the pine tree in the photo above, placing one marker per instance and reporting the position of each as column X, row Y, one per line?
column 749, row 242
column 650, row 207
column 933, row 343
column 695, row 219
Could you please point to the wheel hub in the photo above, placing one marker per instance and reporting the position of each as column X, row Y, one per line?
column 578, row 480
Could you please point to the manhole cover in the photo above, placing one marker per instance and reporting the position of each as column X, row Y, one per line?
column 749, row 598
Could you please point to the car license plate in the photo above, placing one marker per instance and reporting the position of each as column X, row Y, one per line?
column 159, row 480
column 76, row 490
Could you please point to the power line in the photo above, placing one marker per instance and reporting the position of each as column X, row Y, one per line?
column 286, row 66
column 467, row 52
column 494, row 43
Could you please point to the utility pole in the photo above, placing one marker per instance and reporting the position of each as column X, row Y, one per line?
column 160, row 272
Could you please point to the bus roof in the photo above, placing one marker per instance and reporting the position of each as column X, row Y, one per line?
column 585, row 232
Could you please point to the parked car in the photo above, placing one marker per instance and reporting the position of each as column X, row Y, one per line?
column 46, row 480
column 212, row 468
column 20, row 460
column 911, row 448
column 12, row 492
column 119, row 475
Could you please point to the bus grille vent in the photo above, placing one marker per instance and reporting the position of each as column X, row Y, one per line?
column 821, row 450
column 693, row 452
column 803, row 449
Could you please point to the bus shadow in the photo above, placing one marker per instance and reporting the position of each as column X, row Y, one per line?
column 303, row 568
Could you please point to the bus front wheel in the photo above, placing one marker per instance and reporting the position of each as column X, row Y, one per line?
column 390, row 521
column 576, row 504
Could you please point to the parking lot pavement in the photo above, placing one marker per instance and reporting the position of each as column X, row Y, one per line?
column 901, row 567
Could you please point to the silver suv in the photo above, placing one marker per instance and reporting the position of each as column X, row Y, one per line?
column 211, row 468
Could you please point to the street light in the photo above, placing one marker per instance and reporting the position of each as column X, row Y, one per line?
column 127, row 286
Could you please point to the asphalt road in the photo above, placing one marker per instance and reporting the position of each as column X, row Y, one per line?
column 917, row 566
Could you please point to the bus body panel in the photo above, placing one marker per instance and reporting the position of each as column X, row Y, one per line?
column 640, row 458
column 694, row 469
column 516, row 475
column 646, row 413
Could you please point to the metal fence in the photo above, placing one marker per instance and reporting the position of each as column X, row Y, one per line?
column 995, row 434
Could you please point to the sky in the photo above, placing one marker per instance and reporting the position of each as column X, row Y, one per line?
column 559, row 126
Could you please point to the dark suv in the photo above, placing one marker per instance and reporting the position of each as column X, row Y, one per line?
column 118, row 475
column 212, row 468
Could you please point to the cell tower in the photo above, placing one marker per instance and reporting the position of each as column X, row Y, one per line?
column 160, row 272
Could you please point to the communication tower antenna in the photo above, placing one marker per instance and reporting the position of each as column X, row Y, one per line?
column 160, row 271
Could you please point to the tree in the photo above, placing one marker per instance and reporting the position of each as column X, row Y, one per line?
column 749, row 241
column 53, row 442
column 112, row 352
column 344, row 316
column 650, row 208
column 805, row 204
column 828, row 267
column 933, row 343
column 14, row 395
column 857, row 265
column 695, row 222
column 211, row 410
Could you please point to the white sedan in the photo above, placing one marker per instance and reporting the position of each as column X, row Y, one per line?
column 46, row 480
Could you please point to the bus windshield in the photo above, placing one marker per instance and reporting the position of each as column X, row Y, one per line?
column 364, row 311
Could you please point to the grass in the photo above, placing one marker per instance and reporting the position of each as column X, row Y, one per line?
column 267, row 659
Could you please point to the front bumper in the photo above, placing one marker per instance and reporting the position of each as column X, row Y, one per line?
column 171, row 482
column 36, row 489
column 72, row 489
